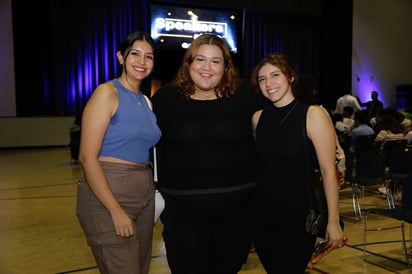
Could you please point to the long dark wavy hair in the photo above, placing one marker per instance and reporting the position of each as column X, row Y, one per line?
column 231, row 77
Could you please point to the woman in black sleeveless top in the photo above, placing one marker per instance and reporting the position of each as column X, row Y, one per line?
column 282, row 195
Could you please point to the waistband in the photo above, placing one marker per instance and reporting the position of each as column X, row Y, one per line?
column 246, row 186
column 147, row 165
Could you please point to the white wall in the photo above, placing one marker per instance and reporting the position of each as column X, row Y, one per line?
column 382, row 48
column 35, row 132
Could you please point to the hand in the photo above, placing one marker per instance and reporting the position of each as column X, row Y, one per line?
column 323, row 247
column 335, row 234
column 122, row 223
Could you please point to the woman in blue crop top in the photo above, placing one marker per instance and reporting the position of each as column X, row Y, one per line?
column 115, row 203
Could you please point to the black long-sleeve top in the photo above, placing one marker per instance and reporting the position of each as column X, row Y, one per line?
column 206, row 146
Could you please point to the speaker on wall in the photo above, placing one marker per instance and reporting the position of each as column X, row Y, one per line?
column 404, row 97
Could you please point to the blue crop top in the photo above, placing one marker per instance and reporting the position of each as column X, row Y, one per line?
column 133, row 128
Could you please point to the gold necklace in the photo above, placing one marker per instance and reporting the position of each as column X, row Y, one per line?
column 135, row 94
column 138, row 100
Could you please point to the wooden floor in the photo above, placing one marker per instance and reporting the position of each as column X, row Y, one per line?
column 40, row 234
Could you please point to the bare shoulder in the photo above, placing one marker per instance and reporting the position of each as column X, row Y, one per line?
column 106, row 89
column 104, row 98
column 255, row 118
column 316, row 112
column 318, row 122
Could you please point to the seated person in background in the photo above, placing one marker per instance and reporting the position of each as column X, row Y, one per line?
column 343, row 127
column 405, row 122
column 389, row 125
column 360, row 128
column 374, row 122
column 347, row 100
column 347, row 122
column 390, row 129
column 407, row 112
column 400, row 117
column 336, row 117
column 408, row 137
column 408, row 134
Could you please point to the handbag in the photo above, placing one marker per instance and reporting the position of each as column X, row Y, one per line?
column 317, row 218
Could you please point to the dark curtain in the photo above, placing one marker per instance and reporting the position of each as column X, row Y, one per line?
column 69, row 47
column 74, row 44
column 294, row 35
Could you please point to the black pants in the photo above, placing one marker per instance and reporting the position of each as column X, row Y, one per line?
column 279, row 233
column 207, row 233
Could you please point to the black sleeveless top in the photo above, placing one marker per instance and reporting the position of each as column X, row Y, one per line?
column 283, row 177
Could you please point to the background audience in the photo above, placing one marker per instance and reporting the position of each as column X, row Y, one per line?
column 347, row 100
column 360, row 128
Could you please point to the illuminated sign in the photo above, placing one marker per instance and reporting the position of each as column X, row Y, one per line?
column 175, row 27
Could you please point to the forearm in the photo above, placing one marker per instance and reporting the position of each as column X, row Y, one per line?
column 332, row 195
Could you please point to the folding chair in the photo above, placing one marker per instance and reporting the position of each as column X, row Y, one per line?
column 399, row 161
column 397, row 165
column 368, row 168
